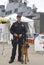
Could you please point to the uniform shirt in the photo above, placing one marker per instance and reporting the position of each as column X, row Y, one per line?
column 18, row 28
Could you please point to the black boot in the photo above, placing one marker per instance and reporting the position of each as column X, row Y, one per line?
column 11, row 61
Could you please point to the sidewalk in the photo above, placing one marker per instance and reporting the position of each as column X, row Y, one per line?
column 34, row 57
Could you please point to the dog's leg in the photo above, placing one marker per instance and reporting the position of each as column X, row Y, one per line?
column 22, row 59
column 25, row 58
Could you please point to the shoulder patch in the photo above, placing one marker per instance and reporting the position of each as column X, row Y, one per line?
column 22, row 25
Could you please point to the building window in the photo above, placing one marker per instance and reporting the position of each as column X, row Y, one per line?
column 3, row 10
column 15, row 10
column 10, row 1
column 21, row 13
column 20, row 4
column 16, row 0
column 21, row 1
column 2, row 6
column 8, row 12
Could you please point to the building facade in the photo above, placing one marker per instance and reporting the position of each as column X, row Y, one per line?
column 39, row 23
column 2, row 10
column 16, row 6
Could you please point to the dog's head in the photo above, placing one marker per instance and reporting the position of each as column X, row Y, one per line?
column 26, row 45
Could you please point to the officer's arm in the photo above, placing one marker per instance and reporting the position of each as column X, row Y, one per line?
column 24, row 31
column 12, row 29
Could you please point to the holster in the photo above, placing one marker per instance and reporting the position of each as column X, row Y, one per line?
column 12, row 42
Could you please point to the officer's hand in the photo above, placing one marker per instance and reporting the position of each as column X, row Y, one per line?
column 20, row 35
column 15, row 35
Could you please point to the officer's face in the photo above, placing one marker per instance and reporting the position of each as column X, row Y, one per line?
column 19, row 19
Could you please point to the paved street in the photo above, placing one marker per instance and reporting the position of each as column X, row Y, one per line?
column 36, row 58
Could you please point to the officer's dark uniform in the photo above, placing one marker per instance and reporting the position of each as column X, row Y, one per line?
column 18, row 28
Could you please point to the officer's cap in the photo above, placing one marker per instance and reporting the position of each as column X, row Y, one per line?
column 18, row 16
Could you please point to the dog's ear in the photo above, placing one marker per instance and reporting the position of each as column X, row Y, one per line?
column 27, row 45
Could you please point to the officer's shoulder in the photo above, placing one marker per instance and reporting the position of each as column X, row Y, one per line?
column 23, row 23
column 14, row 23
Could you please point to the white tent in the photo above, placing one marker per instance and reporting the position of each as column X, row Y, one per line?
column 12, row 18
column 4, row 29
column 30, row 23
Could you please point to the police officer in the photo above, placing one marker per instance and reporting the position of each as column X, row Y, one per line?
column 18, row 30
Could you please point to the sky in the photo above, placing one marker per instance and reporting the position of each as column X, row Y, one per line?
column 38, row 3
